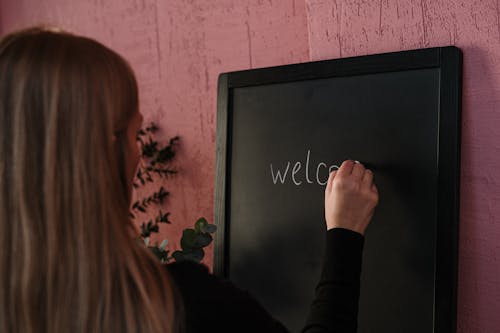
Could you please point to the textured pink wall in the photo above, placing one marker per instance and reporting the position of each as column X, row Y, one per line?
column 178, row 48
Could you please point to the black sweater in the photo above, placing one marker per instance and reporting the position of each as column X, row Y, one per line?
column 216, row 305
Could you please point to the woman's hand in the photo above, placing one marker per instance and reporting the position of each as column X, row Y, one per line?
column 350, row 197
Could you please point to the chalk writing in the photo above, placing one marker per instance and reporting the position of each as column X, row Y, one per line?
column 320, row 177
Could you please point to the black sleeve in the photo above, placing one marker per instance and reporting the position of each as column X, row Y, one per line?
column 335, row 306
column 212, row 304
column 216, row 305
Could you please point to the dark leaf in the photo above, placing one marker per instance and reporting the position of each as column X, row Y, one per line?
column 200, row 224
column 163, row 218
column 149, row 149
column 188, row 240
column 175, row 140
column 152, row 128
column 178, row 256
column 210, row 228
column 195, row 255
column 144, row 231
column 203, row 240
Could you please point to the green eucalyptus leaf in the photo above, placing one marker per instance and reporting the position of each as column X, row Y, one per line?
column 203, row 240
column 178, row 256
column 200, row 224
column 209, row 228
column 195, row 255
column 164, row 244
column 188, row 239
column 144, row 231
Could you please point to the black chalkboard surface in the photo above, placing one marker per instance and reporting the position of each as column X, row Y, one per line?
column 279, row 132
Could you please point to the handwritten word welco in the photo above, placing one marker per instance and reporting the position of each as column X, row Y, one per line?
column 309, row 174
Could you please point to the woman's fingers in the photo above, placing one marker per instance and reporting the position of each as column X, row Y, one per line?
column 368, row 178
column 358, row 170
column 330, row 181
column 345, row 169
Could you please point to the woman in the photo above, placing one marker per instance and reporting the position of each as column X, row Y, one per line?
column 68, row 120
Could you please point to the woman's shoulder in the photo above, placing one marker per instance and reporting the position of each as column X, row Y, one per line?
column 215, row 304
column 187, row 270
column 198, row 285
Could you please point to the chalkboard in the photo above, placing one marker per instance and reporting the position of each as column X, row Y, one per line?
column 279, row 132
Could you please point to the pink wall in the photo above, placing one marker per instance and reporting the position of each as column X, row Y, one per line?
column 178, row 48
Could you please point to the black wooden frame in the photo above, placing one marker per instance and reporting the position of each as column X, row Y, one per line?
column 449, row 61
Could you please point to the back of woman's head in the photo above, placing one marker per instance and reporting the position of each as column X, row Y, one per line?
column 68, row 261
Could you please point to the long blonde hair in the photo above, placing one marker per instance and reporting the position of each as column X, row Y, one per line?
column 68, row 261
